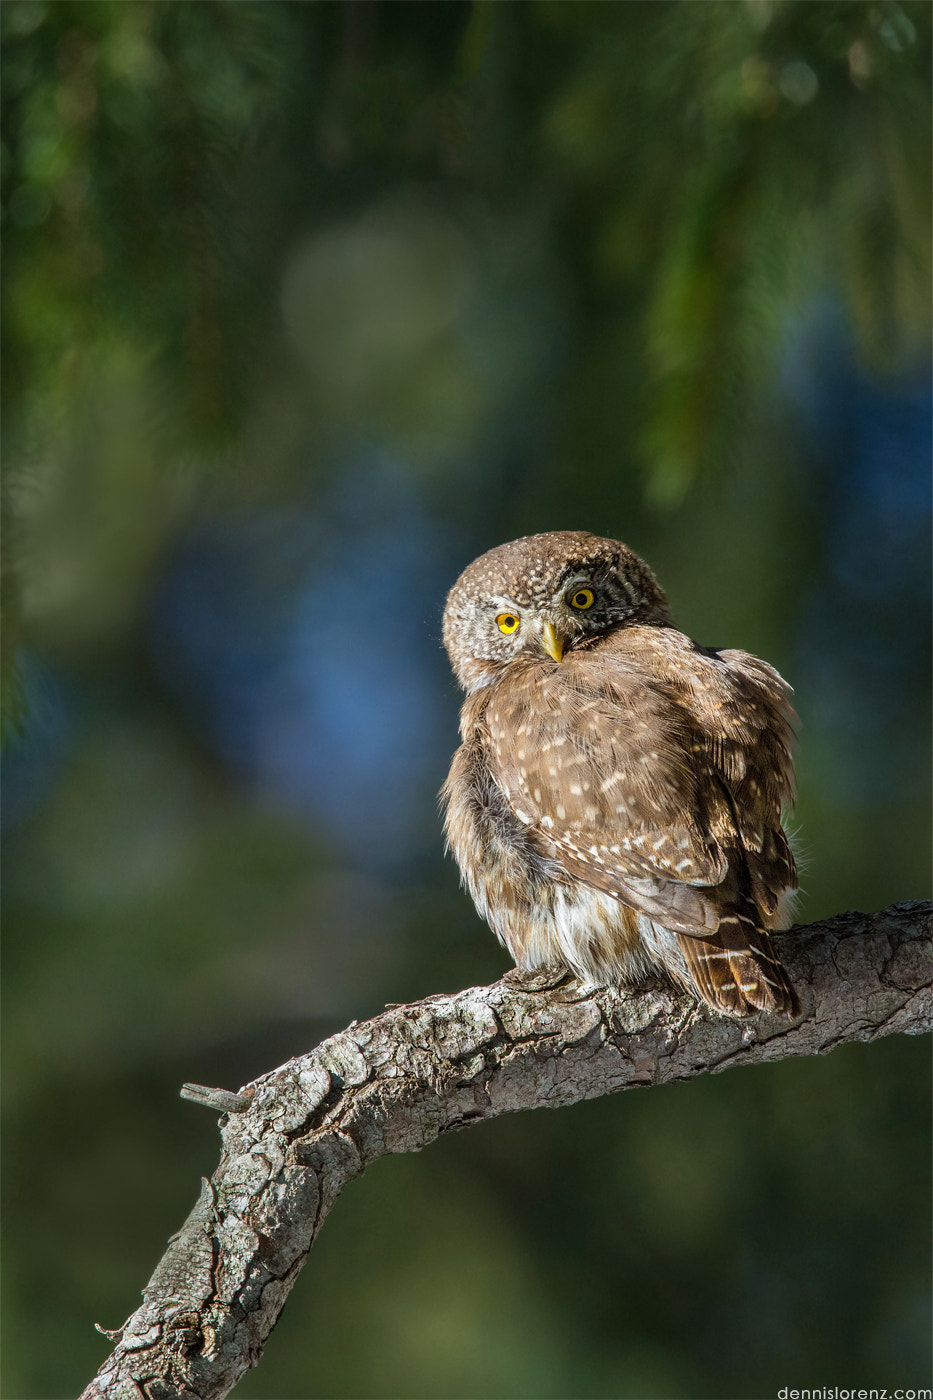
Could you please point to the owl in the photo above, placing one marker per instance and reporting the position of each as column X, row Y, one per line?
column 615, row 803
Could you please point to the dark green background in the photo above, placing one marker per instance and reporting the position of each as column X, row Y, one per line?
column 306, row 305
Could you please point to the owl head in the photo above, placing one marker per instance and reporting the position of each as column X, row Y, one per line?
column 543, row 595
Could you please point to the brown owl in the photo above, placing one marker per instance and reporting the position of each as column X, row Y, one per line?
column 615, row 806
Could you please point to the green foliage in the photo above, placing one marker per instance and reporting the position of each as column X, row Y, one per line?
column 703, row 166
column 696, row 171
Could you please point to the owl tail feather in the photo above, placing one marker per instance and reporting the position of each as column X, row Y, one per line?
column 738, row 971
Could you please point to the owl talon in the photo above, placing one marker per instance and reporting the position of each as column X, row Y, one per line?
column 538, row 979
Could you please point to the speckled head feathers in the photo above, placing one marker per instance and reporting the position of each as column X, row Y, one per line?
column 533, row 580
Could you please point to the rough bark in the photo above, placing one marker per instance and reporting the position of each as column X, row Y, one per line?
column 395, row 1083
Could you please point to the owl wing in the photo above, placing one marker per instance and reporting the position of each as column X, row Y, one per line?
column 655, row 771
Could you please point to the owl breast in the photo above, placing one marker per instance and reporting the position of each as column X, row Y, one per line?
column 520, row 887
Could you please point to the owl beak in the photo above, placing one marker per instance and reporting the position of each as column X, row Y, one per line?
column 551, row 642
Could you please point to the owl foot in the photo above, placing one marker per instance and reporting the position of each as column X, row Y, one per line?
column 538, row 979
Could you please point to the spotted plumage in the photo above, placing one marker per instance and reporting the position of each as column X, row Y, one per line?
column 615, row 805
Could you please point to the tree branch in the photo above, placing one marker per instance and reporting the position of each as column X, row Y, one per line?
column 395, row 1083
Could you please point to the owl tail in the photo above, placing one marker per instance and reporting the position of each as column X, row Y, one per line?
column 737, row 971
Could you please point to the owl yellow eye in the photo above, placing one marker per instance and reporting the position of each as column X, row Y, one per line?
column 582, row 598
column 507, row 623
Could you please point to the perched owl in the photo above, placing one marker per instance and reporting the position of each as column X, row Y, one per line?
column 615, row 805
